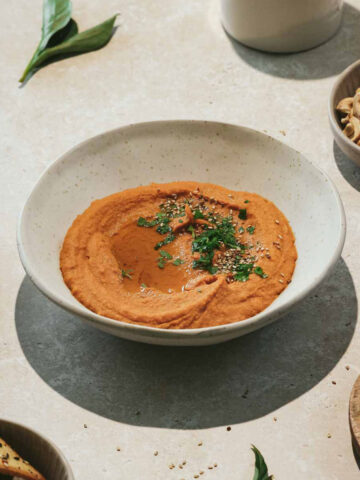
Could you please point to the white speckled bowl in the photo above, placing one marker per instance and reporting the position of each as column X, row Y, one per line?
column 345, row 86
column 236, row 157
column 38, row 450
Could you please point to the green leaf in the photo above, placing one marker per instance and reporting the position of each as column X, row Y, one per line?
column 168, row 239
column 126, row 274
column 165, row 254
column 178, row 261
column 259, row 271
column 88, row 41
column 161, row 262
column 56, row 16
column 261, row 469
column 251, row 229
column 198, row 214
column 242, row 214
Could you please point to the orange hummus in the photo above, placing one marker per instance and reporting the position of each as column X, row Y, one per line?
column 179, row 255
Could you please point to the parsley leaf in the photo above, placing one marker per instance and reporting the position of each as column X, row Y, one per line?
column 161, row 262
column 251, row 229
column 259, row 271
column 198, row 214
column 191, row 229
column 243, row 271
column 178, row 261
column 142, row 222
column 242, row 214
column 247, row 201
column 165, row 254
column 168, row 239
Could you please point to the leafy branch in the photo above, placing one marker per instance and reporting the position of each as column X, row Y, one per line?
column 60, row 37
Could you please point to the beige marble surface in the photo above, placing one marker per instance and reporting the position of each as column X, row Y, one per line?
column 173, row 60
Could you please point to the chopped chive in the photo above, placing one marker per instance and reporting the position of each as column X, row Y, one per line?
column 251, row 229
column 126, row 274
column 165, row 254
column 247, row 201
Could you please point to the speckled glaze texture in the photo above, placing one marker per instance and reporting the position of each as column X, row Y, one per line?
column 39, row 451
column 182, row 150
column 167, row 61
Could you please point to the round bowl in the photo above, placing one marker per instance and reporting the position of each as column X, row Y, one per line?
column 345, row 86
column 37, row 449
column 236, row 157
column 281, row 25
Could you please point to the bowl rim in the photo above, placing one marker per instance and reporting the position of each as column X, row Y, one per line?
column 262, row 318
column 332, row 110
column 57, row 450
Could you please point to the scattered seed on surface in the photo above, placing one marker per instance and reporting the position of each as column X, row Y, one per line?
column 215, row 465
column 118, row 449
column 275, row 419
column 333, row 382
column 347, row 367
column 277, row 221
column 85, row 426
column 228, row 429
column 210, row 467
column 329, row 435
column 196, row 476
column 200, row 444
column 156, row 453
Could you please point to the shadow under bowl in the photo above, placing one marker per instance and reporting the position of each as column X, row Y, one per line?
column 236, row 157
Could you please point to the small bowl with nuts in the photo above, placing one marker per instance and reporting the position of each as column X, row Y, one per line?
column 344, row 112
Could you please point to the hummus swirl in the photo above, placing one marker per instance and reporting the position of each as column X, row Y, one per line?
column 153, row 256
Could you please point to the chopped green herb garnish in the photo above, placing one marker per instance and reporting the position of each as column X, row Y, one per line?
column 242, row 214
column 181, row 221
column 178, row 261
column 247, row 201
column 243, row 271
column 198, row 214
column 161, row 262
column 168, row 239
column 259, row 271
column 241, row 230
column 205, row 263
column 251, row 229
column 142, row 222
column 143, row 285
column 191, row 229
column 126, row 274
column 165, row 254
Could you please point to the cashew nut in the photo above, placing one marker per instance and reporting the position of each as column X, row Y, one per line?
column 345, row 105
column 352, row 129
column 356, row 106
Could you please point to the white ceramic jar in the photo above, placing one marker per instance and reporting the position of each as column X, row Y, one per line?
column 281, row 25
